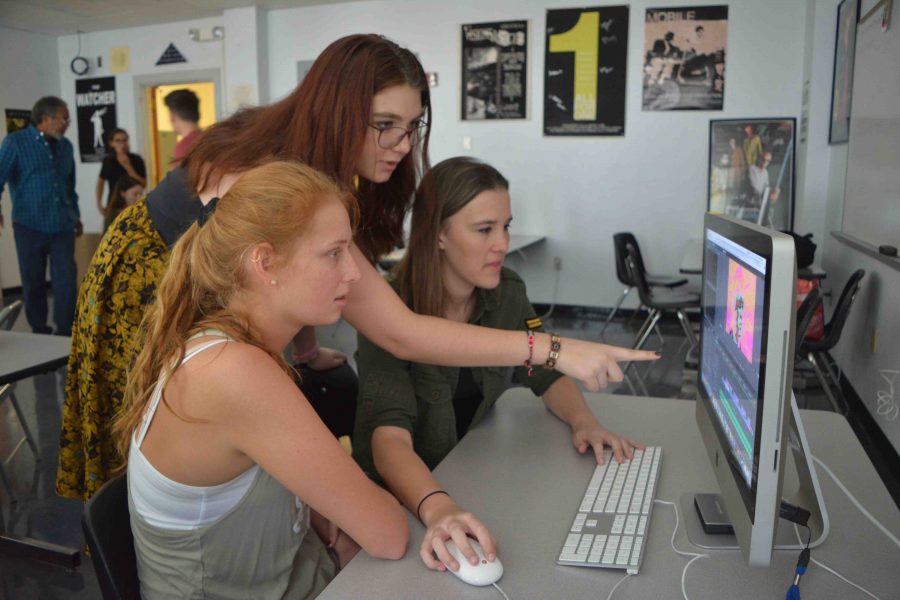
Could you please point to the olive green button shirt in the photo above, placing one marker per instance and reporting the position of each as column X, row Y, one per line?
column 419, row 397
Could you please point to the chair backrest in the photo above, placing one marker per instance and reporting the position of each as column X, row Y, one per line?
column 834, row 327
column 9, row 314
column 620, row 241
column 805, row 314
column 636, row 272
column 107, row 529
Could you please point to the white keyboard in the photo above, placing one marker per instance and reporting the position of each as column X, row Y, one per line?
column 611, row 523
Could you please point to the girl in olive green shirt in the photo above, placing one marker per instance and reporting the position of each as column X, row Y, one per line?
column 410, row 415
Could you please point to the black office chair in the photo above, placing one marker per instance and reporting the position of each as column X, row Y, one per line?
column 107, row 529
column 814, row 350
column 657, row 300
column 620, row 241
column 805, row 313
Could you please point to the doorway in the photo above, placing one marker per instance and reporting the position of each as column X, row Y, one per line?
column 153, row 125
column 162, row 137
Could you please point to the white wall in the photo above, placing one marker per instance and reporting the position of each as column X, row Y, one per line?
column 869, row 343
column 24, row 81
column 577, row 191
column 146, row 45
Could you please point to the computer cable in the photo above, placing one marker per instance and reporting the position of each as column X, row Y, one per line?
column 853, row 499
column 618, row 583
column 793, row 592
column 805, row 558
column 835, row 573
column 502, row 593
column 681, row 552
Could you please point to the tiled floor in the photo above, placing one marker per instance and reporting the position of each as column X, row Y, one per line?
column 39, row 513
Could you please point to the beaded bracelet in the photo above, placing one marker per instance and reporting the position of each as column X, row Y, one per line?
column 528, row 364
column 554, row 351
column 307, row 356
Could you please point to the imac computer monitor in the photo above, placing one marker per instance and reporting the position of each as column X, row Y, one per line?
column 746, row 368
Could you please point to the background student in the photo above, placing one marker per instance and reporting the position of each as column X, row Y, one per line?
column 125, row 193
column 118, row 161
column 184, row 114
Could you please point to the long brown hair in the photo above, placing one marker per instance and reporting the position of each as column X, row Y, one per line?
column 116, row 199
column 324, row 123
column 273, row 203
column 444, row 191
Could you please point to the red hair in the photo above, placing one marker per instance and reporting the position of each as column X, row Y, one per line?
column 324, row 123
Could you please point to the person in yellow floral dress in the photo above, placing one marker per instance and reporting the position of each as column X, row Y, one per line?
column 119, row 285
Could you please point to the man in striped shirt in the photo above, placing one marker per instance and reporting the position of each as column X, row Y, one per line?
column 39, row 165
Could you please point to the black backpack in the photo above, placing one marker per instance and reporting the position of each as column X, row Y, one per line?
column 804, row 247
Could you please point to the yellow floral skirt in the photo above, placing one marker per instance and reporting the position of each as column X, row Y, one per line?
column 119, row 286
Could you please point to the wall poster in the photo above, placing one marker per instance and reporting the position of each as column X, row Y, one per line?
column 684, row 58
column 95, row 107
column 751, row 170
column 842, row 81
column 16, row 119
column 584, row 71
column 494, row 70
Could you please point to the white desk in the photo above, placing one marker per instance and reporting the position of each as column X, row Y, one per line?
column 518, row 472
column 23, row 355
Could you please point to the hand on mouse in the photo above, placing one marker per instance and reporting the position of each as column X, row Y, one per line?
column 445, row 520
column 590, row 433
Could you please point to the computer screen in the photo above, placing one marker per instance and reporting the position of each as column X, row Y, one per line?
column 734, row 332
column 746, row 364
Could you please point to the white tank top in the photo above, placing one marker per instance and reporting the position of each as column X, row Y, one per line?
column 165, row 503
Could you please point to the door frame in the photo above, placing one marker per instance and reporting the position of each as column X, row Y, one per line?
column 142, row 82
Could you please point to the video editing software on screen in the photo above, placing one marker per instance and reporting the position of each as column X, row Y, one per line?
column 733, row 296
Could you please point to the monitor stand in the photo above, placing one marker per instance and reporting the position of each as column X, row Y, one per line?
column 801, row 488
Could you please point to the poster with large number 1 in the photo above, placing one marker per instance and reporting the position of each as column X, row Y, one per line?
column 584, row 71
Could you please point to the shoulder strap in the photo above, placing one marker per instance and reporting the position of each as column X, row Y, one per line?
column 161, row 383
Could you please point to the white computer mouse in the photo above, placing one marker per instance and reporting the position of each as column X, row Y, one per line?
column 485, row 573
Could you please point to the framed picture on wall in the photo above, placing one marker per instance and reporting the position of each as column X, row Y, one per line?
column 494, row 71
column 842, row 83
column 751, row 170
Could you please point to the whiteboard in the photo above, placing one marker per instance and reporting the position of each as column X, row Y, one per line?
column 872, row 188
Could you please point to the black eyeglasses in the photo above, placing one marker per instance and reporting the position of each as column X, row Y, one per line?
column 390, row 137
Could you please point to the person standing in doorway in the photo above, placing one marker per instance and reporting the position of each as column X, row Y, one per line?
column 184, row 112
column 39, row 165
column 119, row 161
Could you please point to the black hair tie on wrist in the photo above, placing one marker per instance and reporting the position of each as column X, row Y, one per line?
column 206, row 211
column 426, row 497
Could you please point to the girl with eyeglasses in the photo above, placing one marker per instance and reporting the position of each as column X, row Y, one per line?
column 360, row 116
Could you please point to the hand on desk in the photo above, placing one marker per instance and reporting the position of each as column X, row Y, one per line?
column 594, row 435
column 327, row 359
column 595, row 365
column 445, row 520
column 334, row 538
